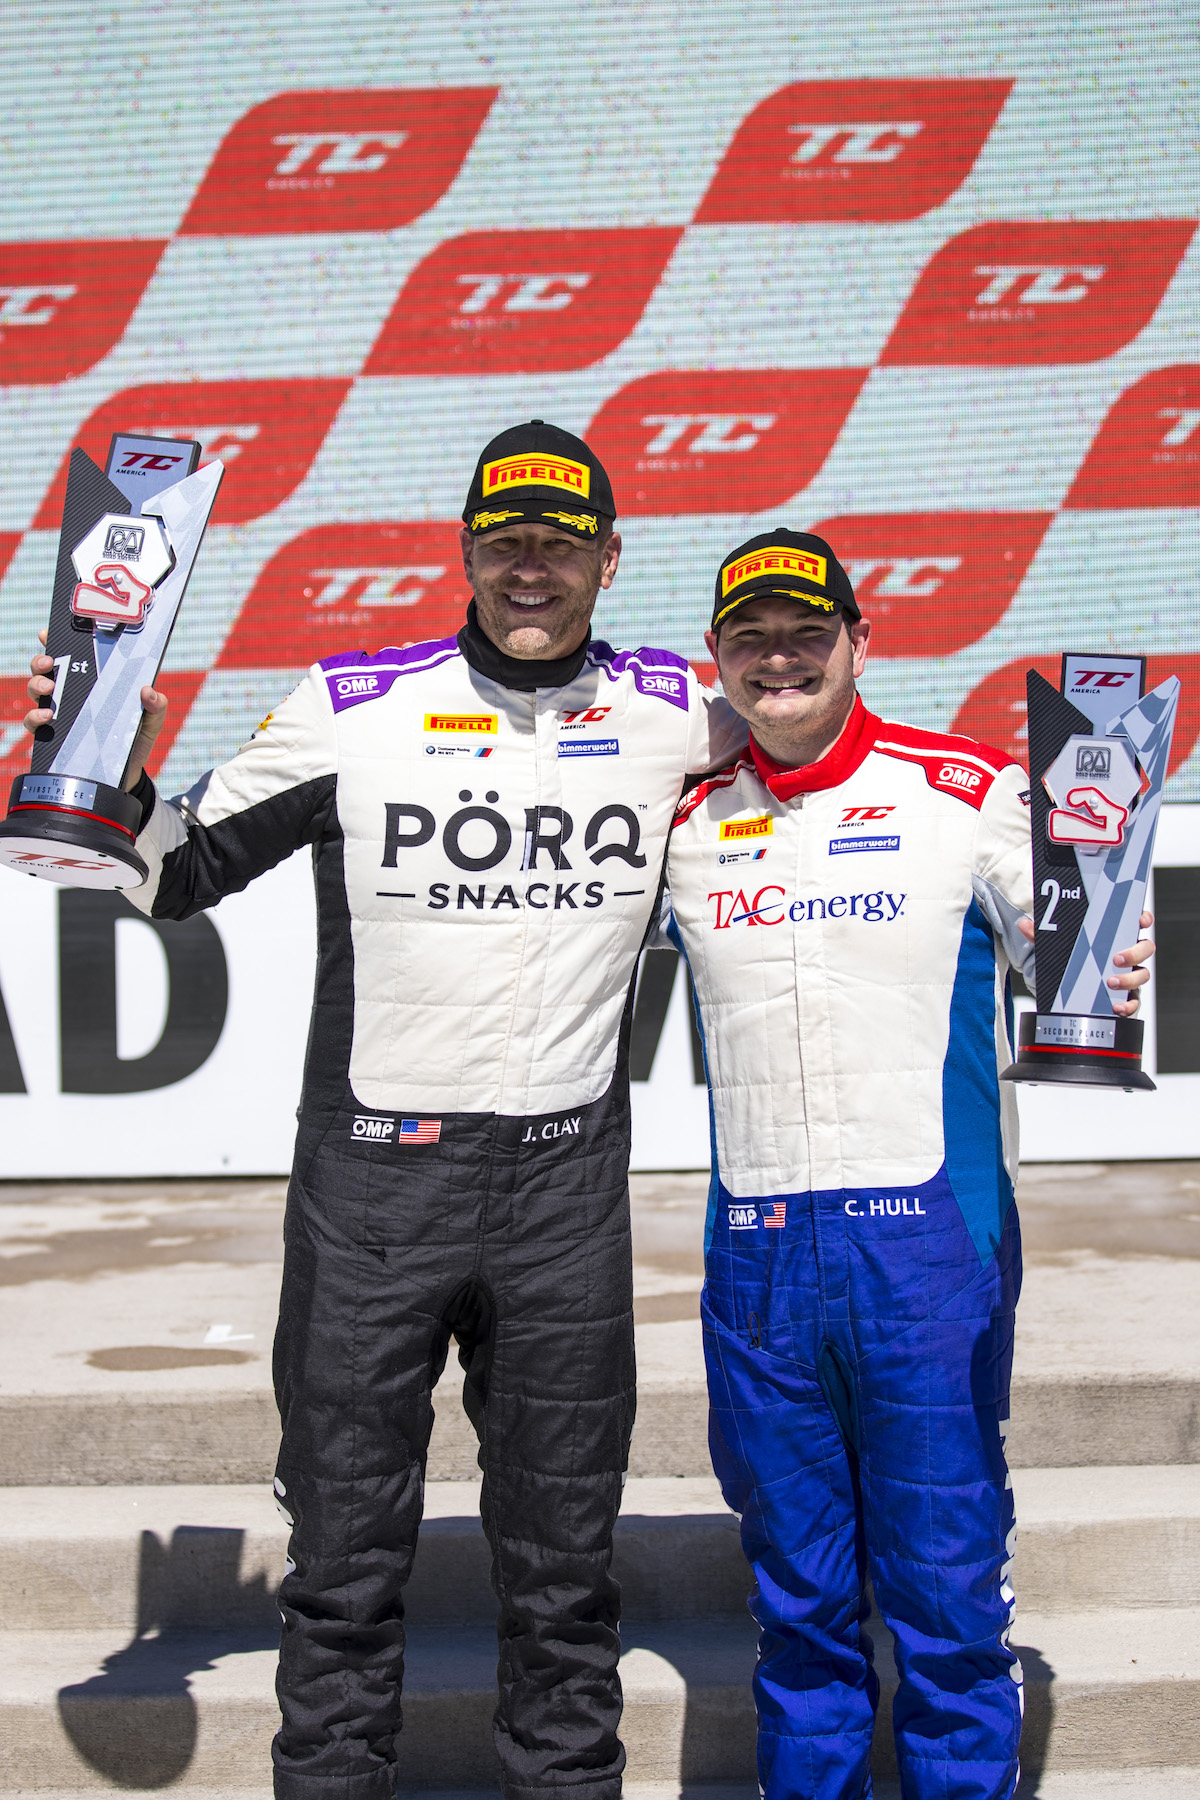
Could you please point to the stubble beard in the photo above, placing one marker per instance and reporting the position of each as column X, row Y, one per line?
column 804, row 735
column 535, row 641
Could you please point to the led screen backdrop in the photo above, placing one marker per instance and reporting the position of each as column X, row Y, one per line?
column 924, row 279
column 918, row 278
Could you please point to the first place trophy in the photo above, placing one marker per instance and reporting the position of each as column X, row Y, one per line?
column 130, row 535
column 1098, row 752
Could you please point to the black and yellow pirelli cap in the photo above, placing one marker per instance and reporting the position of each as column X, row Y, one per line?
column 543, row 475
column 787, row 565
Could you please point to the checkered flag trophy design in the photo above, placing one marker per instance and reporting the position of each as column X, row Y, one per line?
column 1098, row 752
column 130, row 534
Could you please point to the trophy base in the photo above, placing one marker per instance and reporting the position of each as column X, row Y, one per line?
column 1080, row 1050
column 77, row 833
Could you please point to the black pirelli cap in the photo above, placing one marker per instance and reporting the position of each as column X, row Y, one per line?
column 788, row 565
column 538, row 474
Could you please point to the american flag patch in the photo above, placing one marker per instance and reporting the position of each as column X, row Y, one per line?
column 419, row 1131
column 774, row 1214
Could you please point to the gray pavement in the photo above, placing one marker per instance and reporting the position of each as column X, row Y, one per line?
column 138, row 1641
column 137, row 1322
column 164, row 1288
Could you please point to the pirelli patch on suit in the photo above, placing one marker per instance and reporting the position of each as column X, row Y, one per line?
column 747, row 828
column 472, row 722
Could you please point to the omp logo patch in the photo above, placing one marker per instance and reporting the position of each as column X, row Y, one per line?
column 470, row 722
column 932, row 583
column 350, row 584
column 664, row 684
column 366, row 159
column 954, row 775
column 861, row 150
column 1067, row 292
column 376, row 1130
column 63, row 307
column 493, row 302
column 774, row 559
column 743, row 1218
column 1147, row 452
column 267, row 433
column 720, row 441
column 961, row 773
column 747, row 828
column 537, row 471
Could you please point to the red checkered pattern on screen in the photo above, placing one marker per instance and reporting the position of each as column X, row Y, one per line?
column 1001, row 293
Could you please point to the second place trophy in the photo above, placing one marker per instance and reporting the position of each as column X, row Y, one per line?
column 1098, row 753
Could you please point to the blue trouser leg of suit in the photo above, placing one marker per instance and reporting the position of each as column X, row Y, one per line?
column 859, row 1363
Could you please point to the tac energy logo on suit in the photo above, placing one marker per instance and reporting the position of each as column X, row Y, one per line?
column 770, row 906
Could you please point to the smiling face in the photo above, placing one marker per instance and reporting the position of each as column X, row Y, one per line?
column 535, row 587
column 790, row 670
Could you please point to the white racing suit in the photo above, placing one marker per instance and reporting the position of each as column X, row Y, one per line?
column 487, row 860
column 850, row 928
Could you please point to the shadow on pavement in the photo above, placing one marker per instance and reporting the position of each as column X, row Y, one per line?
column 1039, row 1719
column 135, row 1723
column 718, row 1741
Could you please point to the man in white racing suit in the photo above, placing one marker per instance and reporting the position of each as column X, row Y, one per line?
column 851, row 897
column 488, row 816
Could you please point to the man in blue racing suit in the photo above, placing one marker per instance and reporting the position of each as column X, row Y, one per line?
column 851, row 896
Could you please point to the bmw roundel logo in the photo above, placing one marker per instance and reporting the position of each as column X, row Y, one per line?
column 430, row 750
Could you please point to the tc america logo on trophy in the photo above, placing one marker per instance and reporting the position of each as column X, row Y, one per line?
column 130, row 535
column 1098, row 750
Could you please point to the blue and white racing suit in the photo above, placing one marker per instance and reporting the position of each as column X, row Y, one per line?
column 850, row 927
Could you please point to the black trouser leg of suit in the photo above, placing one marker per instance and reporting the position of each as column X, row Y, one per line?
column 514, row 1237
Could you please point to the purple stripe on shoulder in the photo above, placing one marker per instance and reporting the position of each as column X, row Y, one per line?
column 660, row 673
column 391, row 657
column 354, row 677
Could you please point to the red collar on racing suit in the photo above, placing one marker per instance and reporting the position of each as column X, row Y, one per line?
column 837, row 765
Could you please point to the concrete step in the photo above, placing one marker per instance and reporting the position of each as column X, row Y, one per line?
column 225, row 1435
column 1099, row 1784
column 209, row 1558
column 138, row 1318
column 204, row 1706
column 1105, row 1691
column 1146, row 1784
column 1107, row 1537
column 194, row 1558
